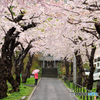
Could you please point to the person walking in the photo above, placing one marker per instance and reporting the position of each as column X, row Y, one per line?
column 35, row 72
column 36, row 78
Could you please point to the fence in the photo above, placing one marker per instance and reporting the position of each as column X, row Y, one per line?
column 80, row 91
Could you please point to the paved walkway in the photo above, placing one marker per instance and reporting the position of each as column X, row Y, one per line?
column 51, row 89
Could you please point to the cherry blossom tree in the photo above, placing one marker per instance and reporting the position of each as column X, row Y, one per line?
column 10, row 43
column 52, row 20
column 83, row 19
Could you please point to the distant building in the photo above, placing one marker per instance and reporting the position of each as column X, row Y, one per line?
column 48, row 61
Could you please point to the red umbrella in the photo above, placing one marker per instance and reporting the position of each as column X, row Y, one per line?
column 35, row 71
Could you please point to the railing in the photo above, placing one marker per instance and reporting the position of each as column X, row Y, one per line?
column 80, row 91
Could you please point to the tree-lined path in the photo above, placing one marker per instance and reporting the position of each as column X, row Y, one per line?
column 51, row 89
column 57, row 28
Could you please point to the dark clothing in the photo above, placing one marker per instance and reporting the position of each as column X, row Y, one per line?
column 36, row 80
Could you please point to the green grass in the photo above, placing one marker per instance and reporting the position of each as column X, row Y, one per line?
column 24, row 90
column 80, row 90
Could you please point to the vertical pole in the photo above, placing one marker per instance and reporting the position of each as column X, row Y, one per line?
column 43, row 62
column 74, row 69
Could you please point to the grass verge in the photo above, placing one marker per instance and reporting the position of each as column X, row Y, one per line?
column 81, row 90
column 24, row 90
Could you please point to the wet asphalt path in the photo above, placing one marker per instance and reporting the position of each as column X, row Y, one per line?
column 51, row 89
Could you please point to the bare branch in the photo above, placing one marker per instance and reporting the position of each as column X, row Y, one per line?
column 9, row 19
column 38, row 38
column 97, row 5
column 9, row 8
column 89, row 22
column 30, row 25
column 18, row 18
column 85, row 2
column 72, row 21
column 18, row 43
column 3, row 30
column 16, row 34
column 91, row 32
column 90, row 28
column 80, row 38
column 26, row 40
column 74, row 41
column 71, row 11
column 36, row 16
column 21, row 46
column 91, row 9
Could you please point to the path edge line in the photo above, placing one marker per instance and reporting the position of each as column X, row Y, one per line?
column 68, row 89
column 34, row 90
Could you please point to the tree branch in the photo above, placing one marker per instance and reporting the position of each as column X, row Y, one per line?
column 3, row 30
column 92, row 51
column 91, row 32
column 36, row 16
column 71, row 21
column 95, row 7
column 30, row 25
column 87, row 53
column 19, row 43
column 97, row 26
column 74, row 41
column 9, row 8
column 89, row 28
column 9, row 19
column 18, row 18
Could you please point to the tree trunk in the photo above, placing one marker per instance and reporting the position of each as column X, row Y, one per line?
column 98, row 88
column 18, row 70
column 30, row 61
column 5, row 74
column 3, row 87
column 3, row 81
column 24, row 77
column 79, row 66
column 67, row 69
column 71, row 68
column 19, row 62
column 7, row 50
column 81, row 73
column 92, row 68
column 90, row 78
column 13, row 83
column 71, row 75
column 6, row 62
column 26, row 74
